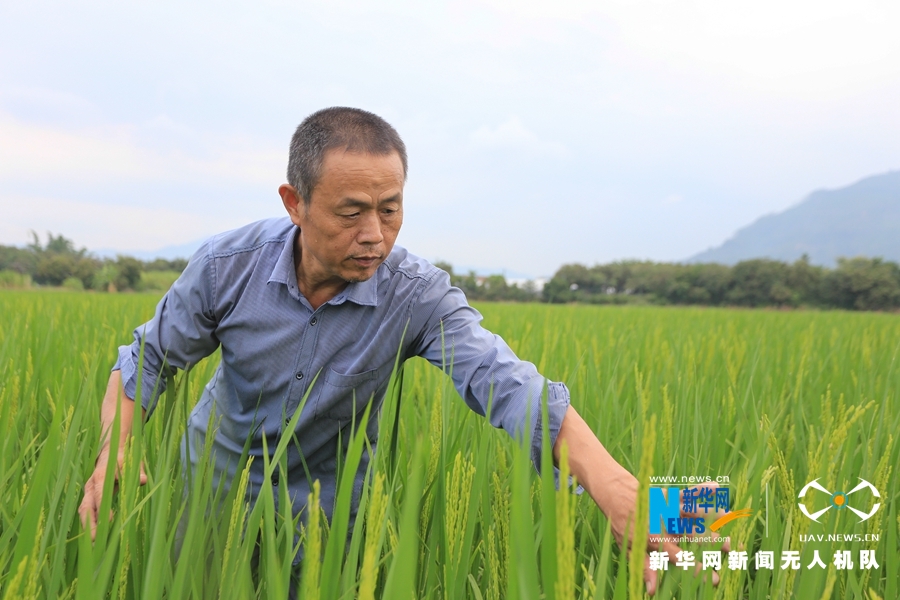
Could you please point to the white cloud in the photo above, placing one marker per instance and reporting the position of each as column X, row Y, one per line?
column 509, row 133
column 513, row 134
column 672, row 199
column 783, row 49
column 36, row 151
column 102, row 226
column 30, row 151
column 58, row 101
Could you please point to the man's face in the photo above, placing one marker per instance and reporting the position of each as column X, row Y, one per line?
column 353, row 218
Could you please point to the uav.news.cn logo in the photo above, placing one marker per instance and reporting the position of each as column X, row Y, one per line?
column 839, row 500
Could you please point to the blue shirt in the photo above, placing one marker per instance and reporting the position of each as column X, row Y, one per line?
column 240, row 292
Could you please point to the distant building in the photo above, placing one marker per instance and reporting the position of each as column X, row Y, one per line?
column 535, row 285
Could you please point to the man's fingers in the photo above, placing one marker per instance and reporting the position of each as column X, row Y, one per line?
column 85, row 515
column 699, row 569
column 709, row 513
column 659, row 544
column 88, row 513
column 89, row 509
column 651, row 577
column 672, row 549
column 93, row 519
column 90, row 504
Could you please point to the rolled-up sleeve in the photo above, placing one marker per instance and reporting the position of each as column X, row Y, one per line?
column 180, row 334
column 486, row 372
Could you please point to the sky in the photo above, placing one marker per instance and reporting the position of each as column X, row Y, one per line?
column 539, row 133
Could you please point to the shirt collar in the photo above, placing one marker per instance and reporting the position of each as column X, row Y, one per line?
column 364, row 293
column 284, row 272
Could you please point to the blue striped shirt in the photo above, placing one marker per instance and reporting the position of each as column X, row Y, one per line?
column 240, row 292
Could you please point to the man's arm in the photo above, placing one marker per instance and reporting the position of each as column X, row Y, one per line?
column 180, row 334
column 488, row 375
column 114, row 400
column 485, row 368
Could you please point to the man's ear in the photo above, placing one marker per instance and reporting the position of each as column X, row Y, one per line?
column 293, row 202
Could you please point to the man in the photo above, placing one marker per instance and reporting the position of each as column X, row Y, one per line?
column 324, row 295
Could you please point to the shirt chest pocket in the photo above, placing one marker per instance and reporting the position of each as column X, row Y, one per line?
column 343, row 396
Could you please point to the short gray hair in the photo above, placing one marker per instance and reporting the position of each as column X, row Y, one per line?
column 337, row 127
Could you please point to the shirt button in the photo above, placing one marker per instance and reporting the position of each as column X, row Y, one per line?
column 275, row 478
column 313, row 321
column 299, row 375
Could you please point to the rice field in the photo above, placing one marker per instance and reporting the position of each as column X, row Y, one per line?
column 454, row 508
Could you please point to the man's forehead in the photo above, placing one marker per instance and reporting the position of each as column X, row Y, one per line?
column 347, row 177
column 347, row 158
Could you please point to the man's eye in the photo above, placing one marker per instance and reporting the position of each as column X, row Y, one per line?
column 352, row 215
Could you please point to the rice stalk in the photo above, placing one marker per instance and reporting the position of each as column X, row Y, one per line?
column 641, row 520
column 565, row 531
column 374, row 534
column 312, row 556
column 459, row 487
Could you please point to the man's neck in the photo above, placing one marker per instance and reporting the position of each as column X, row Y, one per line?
column 317, row 291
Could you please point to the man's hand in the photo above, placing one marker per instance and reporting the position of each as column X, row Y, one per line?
column 618, row 503
column 614, row 489
column 93, row 490
column 114, row 401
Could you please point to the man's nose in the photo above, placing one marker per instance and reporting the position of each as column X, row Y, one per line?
column 370, row 229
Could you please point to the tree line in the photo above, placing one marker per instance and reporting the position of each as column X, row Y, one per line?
column 854, row 284
column 492, row 288
column 59, row 263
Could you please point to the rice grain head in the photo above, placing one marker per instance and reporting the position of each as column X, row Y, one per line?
column 312, row 557
column 565, row 531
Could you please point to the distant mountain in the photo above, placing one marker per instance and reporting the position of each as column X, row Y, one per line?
column 862, row 219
